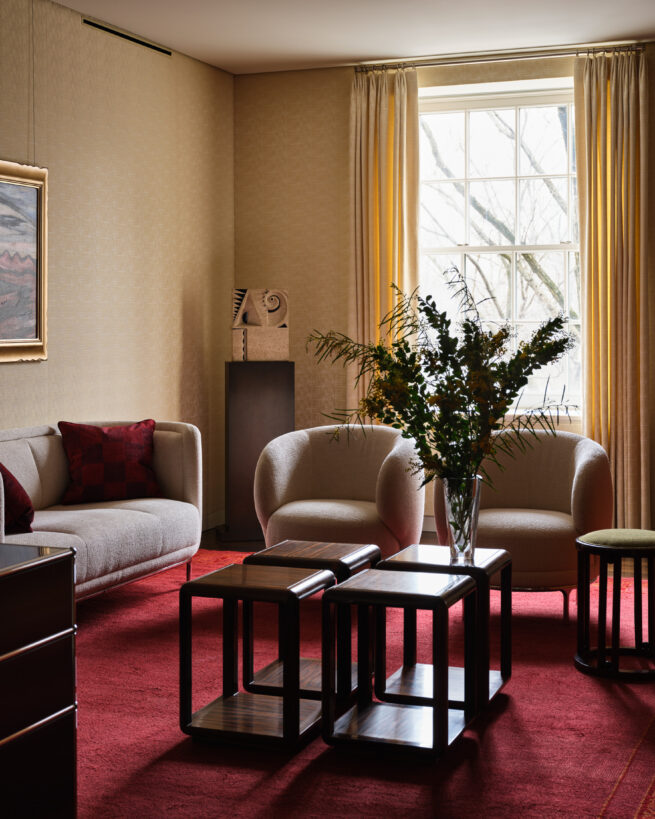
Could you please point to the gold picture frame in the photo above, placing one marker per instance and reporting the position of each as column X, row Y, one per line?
column 23, row 262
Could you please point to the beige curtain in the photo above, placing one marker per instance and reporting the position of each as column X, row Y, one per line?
column 385, row 196
column 611, row 119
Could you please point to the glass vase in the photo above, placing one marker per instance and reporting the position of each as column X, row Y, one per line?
column 462, row 507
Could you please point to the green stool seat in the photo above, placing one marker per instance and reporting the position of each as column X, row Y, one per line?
column 611, row 547
column 621, row 538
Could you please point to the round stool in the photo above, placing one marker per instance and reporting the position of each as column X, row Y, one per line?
column 610, row 547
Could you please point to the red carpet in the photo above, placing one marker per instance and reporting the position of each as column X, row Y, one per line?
column 554, row 743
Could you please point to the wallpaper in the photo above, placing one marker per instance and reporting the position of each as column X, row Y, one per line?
column 293, row 217
column 139, row 149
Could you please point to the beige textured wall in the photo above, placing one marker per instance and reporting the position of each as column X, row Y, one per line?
column 292, row 211
column 139, row 148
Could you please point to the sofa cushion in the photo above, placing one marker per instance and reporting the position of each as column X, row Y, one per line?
column 543, row 545
column 109, row 463
column 329, row 519
column 19, row 511
column 113, row 537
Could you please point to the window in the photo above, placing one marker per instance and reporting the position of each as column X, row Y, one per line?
column 499, row 201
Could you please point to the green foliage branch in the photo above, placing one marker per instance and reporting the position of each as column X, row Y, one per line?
column 451, row 391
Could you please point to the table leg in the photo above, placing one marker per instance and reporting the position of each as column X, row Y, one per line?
column 440, row 679
column 185, row 659
column 328, row 705
column 344, row 661
column 506, row 622
column 247, row 642
column 363, row 654
column 230, row 648
column 380, row 652
column 476, row 669
column 409, row 636
column 289, row 621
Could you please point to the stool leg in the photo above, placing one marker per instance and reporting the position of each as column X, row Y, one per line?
column 650, row 563
column 602, row 612
column 639, row 636
column 440, row 679
column 289, row 620
column 185, row 659
column 230, row 648
column 616, row 613
column 583, row 604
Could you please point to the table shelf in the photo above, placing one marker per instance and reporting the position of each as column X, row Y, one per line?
column 248, row 716
column 409, row 726
column 416, row 681
column 269, row 678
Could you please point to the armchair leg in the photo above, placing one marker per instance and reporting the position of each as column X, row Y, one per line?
column 188, row 571
column 567, row 594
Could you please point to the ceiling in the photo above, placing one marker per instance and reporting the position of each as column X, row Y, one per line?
column 249, row 36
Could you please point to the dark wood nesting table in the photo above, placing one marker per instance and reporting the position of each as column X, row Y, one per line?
column 421, row 706
column 343, row 560
column 244, row 717
column 421, row 722
column 486, row 564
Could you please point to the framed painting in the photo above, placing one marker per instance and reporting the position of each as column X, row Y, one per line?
column 23, row 262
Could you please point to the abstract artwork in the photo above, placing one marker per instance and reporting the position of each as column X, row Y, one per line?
column 260, row 325
column 22, row 262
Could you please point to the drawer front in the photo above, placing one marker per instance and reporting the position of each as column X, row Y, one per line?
column 39, row 771
column 35, row 603
column 35, row 684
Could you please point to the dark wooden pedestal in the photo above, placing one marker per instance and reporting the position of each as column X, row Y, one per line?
column 38, row 711
column 259, row 406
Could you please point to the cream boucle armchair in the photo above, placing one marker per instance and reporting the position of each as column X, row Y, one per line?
column 540, row 501
column 354, row 489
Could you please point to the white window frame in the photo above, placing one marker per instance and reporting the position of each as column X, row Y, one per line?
column 500, row 96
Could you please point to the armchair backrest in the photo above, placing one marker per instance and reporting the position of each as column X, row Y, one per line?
column 541, row 477
column 345, row 467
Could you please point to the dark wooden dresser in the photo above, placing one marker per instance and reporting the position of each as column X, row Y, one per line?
column 38, row 709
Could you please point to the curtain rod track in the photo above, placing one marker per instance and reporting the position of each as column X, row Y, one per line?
column 505, row 56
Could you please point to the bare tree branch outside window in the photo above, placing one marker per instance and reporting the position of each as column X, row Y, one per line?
column 498, row 200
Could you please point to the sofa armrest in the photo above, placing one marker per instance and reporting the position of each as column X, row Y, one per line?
column 177, row 461
column 592, row 495
column 282, row 474
column 399, row 496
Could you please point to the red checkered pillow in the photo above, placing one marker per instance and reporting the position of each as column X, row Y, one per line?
column 109, row 463
column 19, row 512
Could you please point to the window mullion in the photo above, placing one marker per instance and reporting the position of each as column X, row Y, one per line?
column 523, row 294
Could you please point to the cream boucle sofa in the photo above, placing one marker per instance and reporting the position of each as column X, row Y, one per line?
column 116, row 541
